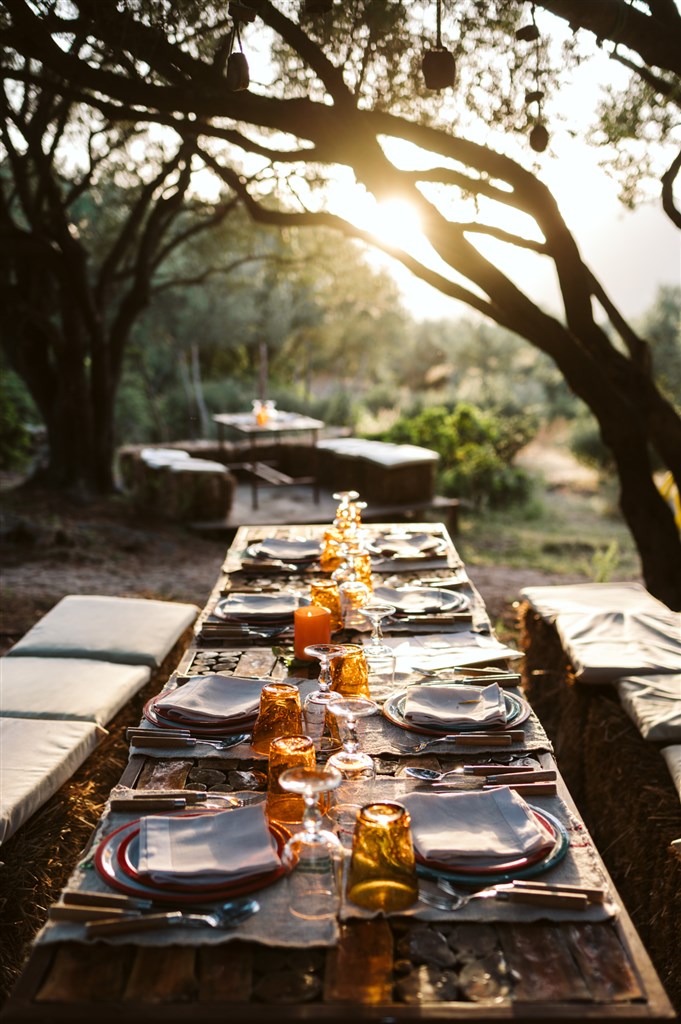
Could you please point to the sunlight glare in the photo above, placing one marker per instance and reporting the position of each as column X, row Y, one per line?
column 396, row 223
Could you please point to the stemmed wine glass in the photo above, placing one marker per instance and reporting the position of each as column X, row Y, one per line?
column 350, row 761
column 374, row 612
column 314, row 855
column 315, row 706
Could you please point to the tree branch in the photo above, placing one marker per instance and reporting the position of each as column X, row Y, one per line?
column 668, row 179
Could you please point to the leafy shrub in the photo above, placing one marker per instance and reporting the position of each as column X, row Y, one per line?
column 15, row 408
column 586, row 444
column 476, row 450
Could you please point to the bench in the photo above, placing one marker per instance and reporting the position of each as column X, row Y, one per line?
column 66, row 679
column 385, row 474
column 622, row 782
column 174, row 485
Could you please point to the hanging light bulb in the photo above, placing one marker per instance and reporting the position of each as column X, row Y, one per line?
column 539, row 138
column 237, row 73
column 438, row 65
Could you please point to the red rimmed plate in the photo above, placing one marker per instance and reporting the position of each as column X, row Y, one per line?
column 517, row 712
column 499, row 866
column 226, row 728
column 107, row 863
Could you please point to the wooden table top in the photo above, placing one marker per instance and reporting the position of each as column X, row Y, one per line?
column 383, row 970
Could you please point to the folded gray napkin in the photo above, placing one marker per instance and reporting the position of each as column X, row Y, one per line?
column 206, row 848
column 479, row 829
column 211, row 699
column 450, row 705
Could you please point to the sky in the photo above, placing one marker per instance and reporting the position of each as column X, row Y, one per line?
column 632, row 252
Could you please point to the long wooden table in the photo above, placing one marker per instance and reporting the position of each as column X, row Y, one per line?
column 384, row 969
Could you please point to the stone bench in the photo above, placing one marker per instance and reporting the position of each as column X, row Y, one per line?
column 66, row 679
column 172, row 484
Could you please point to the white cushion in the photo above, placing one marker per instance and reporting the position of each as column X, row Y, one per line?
column 126, row 630
column 75, row 688
column 610, row 630
column 654, row 705
column 36, row 758
column 163, row 456
column 197, row 466
column 672, row 756
column 383, row 453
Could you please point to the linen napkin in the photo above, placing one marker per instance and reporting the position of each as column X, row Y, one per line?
column 254, row 607
column 300, row 550
column 213, row 699
column 413, row 545
column 475, row 828
column 206, row 848
column 451, row 705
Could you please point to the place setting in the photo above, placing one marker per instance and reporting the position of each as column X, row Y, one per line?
column 253, row 617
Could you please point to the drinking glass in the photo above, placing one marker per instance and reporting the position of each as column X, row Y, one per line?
column 313, row 855
column 374, row 612
column 351, row 761
column 287, row 752
column 324, row 594
column 319, row 725
column 349, row 673
column 382, row 873
column 353, row 596
column 280, row 714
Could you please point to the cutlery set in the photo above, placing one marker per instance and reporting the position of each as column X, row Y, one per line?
column 105, row 914
column 442, row 895
column 180, row 739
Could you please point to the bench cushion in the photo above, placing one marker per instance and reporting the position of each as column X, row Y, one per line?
column 382, row 453
column 654, row 705
column 75, row 688
column 36, row 758
column 125, row 630
column 611, row 630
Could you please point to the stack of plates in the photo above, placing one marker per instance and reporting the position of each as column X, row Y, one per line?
column 422, row 600
column 469, row 873
column 203, row 715
column 301, row 552
column 517, row 711
column 117, row 857
column 269, row 609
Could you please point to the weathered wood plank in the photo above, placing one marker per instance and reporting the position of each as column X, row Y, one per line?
column 82, row 973
column 604, row 963
column 165, row 975
column 541, row 958
column 162, row 774
column 225, row 973
column 359, row 969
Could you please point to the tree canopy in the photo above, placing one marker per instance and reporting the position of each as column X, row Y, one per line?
column 345, row 89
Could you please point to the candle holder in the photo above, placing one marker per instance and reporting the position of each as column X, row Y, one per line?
column 311, row 625
column 349, row 673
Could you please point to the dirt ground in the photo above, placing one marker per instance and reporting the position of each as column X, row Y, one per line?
column 51, row 547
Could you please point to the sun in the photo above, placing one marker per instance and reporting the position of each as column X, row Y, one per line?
column 396, row 223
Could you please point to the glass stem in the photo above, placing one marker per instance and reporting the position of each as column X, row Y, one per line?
column 352, row 741
column 311, row 813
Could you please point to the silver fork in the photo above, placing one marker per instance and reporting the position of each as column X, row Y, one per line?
column 443, row 897
column 229, row 916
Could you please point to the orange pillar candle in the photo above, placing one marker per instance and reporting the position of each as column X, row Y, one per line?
column 311, row 625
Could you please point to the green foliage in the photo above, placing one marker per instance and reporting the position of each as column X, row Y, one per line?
column 15, row 409
column 605, row 562
column 476, row 451
column 587, row 446
column 661, row 326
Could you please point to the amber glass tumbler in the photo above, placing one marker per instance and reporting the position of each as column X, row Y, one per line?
column 382, row 874
column 324, row 594
column 280, row 714
column 287, row 752
column 349, row 673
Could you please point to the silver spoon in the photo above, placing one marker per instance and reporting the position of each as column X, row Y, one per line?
column 229, row 916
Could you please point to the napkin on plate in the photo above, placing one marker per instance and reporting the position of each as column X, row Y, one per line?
column 206, row 848
column 450, row 705
column 482, row 828
column 288, row 550
column 253, row 607
column 211, row 699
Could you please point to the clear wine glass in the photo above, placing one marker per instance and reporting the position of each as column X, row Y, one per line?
column 375, row 612
column 317, row 723
column 314, row 855
column 351, row 761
